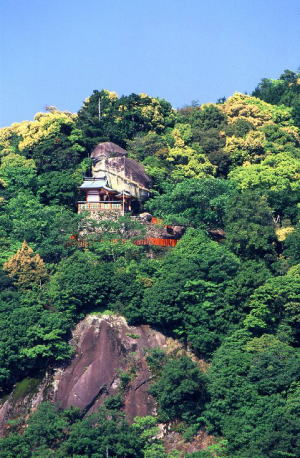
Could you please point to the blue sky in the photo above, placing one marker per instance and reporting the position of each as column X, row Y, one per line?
column 56, row 52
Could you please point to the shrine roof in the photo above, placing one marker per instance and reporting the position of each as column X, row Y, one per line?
column 95, row 183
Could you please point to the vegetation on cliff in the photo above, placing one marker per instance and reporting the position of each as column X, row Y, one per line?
column 232, row 166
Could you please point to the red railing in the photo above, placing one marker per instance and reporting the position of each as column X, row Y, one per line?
column 147, row 241
column 157, row 242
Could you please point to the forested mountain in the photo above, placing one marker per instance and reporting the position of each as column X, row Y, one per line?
column 231, row 167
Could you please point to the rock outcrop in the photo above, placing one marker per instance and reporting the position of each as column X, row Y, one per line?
column 107, row 351
column 107, row 348
column 122, row 172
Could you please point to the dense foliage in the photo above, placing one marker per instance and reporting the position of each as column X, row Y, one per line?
column 230, row 168
column 54, row 433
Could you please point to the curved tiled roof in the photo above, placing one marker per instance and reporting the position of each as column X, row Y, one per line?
column 95, row 183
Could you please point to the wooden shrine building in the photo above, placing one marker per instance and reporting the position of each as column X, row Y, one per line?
column 99, row 197
column 118, row 183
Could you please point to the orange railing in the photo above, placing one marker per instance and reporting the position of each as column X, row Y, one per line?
column 155, row 220
column 157, row 242
column 147, row 241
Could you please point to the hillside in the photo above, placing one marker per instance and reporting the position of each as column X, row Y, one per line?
column 227, row 293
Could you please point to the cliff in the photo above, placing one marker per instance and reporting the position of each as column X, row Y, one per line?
column 109, row 357
column 107, row 351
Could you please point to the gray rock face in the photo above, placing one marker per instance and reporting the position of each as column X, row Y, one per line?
column 122, row 173
column 105, row 347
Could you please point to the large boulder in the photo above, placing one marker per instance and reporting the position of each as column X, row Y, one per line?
column 122, row 173
column 105, row 348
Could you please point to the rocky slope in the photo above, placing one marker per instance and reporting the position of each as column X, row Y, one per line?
column 109, row 356
column 108, row 352
column 107, row 348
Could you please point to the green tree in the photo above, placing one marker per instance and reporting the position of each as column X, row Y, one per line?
column 247, row 388
column 51, row 139
column 187, row 295
column 292, row 246
column 180, row 390
column 275, row 365
column 207, row 124
column 106, row 117
column 193, row 202
column 81, row 283
column 17, row 174
column 277, row 177
column 285, row 90
column 31, row 337
column 206, row 316
column 105, row 432
column 255, row 111
column 58, row 188
column 212, row 451
column 147, row 430
column 46, row 228
column 208, row 116
column 143, row 146
column 65, row 433
column 275, row 308
column 249, row 226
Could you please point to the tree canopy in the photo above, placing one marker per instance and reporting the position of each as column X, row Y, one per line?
column 228, row 173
